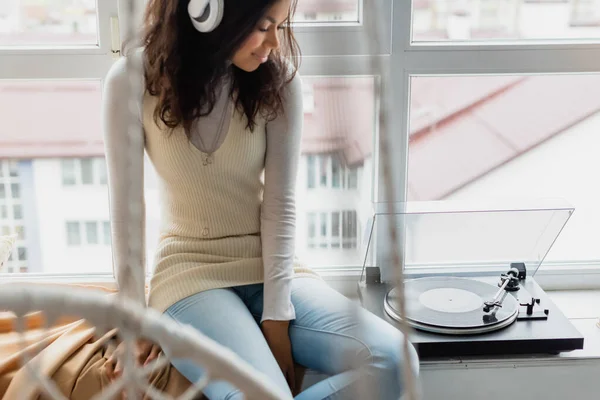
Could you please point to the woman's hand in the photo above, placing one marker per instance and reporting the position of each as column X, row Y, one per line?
column 145, row 352
column 277, row 335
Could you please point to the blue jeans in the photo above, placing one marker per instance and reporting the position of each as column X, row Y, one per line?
column 330, row 334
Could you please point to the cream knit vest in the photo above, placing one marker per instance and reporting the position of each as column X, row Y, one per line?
column 210, row 222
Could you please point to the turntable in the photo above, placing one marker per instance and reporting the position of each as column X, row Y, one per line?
column 469, row 275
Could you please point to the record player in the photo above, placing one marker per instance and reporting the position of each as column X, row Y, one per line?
column 469, row 276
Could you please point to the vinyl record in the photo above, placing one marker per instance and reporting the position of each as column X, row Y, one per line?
column 451, row 305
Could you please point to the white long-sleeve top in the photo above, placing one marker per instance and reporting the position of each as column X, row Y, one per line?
column 227, row 196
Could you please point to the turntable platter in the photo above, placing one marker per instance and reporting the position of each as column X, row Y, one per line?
column 451, row 305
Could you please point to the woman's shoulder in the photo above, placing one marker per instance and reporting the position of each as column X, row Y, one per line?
column 117, row 78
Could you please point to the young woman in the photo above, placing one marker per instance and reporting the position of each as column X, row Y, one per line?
column 220, row 106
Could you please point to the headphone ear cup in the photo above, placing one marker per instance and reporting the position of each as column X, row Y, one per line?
column 206, row 15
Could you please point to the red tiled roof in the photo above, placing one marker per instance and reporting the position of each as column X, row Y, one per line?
column 343, row 118
column 508, row 122
column 50, row 119
column 461, row 127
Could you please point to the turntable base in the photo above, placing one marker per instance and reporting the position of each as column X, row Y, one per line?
column 551, row 336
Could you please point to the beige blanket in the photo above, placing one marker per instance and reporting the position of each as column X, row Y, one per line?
column 71, row 353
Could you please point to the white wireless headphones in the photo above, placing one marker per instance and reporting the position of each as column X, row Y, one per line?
column 206, row 15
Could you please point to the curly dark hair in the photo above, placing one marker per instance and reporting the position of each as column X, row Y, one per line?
column 184, row 67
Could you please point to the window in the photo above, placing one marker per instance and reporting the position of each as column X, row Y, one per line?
column 91, row 232
column 500, row 20
column 535, row 136
column 330, row 224
column 331, row 172
column 106, row 233
column 311, row 162
column 17, row 211
column 83, row 171
column 486, row 110
column 68, row 172
column 336, row 160
column 339, row 27
column 88, row 233
column 87, row 171
column 48, row 24
column 73, row 234
column 15, row 190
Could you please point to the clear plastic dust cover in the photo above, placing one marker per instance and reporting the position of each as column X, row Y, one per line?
column 457, row 238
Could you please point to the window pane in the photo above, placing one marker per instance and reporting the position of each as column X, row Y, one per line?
column 335, row 230
column 323, row 170
column 22, row 253
column 3, row 212
column 324, row 11
column 311, row 171
column 69, row 175
column 17, row 211
column 48, row 127
column 489, row 20
column 48, row 23
column 107, row 233
column 341, row 127
column 490, row 137
column 91, row 232
column 335, row 172
column 13, row 168
column 2, row 191
column 102, row 177
column 87, row 171
column 73, row 234
column 352, row 178
column 20, row 230
column 15, row 191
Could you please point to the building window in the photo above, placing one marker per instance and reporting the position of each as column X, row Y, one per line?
column 22, row 253
column 3, row 212
column 336, row 229
column 323, row 171
column 73, row 234
column 87, row 171
column 17, row 211
column 349, row 230
column 20, row 231
column 83, row 171
column 312, row 171
column 68, row 172
column 330, row 172
column 91, row 232
column 88, row 233
column 13, row 169
column 106, row 232
column 15, row 190
column 2, row 191
column 336, row 171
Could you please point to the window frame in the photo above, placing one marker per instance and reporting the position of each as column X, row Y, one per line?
column 410, row 58
column 347, row 38
column 64, row 62
column 329, row 50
